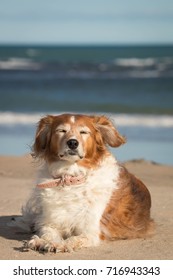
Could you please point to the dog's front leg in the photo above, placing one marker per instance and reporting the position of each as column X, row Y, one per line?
column 85, row 234
column 48, row 239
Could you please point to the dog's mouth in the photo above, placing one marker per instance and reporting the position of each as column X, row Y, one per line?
column 71, row 155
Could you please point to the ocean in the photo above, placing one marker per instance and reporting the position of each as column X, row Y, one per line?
column 133, row 85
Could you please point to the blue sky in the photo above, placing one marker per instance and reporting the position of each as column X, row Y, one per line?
column 86, row 22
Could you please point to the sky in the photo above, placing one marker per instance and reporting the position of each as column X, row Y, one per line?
column 86, row 22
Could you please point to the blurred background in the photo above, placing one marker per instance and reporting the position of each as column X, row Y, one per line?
column 95, row 57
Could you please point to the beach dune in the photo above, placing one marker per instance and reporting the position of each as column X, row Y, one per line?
column 17, row 176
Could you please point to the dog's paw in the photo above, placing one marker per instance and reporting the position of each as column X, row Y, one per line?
column 39, row 244
column 75, row 242
column 35, row 243
column 71, row 244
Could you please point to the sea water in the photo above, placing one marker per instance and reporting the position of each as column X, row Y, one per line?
column 131, row 85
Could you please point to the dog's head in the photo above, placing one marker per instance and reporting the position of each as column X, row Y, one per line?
column 75, row 138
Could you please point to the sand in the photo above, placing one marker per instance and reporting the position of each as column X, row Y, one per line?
column 17, row 175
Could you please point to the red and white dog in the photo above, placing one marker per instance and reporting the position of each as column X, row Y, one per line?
column 82, row 195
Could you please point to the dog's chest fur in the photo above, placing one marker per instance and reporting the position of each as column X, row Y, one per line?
column 73, row 208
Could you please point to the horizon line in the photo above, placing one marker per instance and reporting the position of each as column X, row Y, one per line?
column 12, row 44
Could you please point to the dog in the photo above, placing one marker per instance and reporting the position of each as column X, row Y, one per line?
column 83, row 195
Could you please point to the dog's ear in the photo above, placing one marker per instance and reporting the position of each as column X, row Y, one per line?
column 108, row 131
column 42, row 136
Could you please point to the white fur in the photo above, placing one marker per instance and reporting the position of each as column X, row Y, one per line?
column 70, row 217
column 72, row 119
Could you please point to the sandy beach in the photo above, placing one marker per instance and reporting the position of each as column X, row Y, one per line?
column 17, row 175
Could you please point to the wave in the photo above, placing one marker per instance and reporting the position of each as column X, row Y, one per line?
column 135, row 62
column 19, row 64
column 117, row 68
column 129, row 120
column 10, row 118
column 160, row 63
column 143, row 120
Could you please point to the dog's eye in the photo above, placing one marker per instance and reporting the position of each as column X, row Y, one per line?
column 61, row 131
column 84, row 132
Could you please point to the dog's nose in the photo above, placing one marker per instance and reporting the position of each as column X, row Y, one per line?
column 72, row 144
